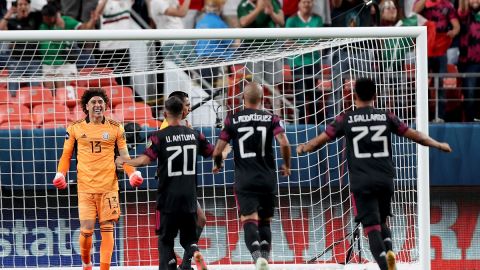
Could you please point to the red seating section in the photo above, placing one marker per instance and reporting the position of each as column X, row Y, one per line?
column 32, row 96
column 69, row 95
column 14, row 112
column 133, row 111
column 119, row 94
column 105, row 81
column 49, row 113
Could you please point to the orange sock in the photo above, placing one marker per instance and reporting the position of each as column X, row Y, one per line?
column 85, row 240
column 104, row 266
column 106, row 247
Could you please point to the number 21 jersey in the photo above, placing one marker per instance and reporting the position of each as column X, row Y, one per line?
column 252, row 132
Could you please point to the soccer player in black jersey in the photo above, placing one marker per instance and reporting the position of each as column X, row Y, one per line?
column 367, row 131
column 252, row 131
column 176, row 148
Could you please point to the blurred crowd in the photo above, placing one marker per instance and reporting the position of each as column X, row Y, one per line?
column 453, row 34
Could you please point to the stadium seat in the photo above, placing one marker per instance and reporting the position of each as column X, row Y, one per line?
column 69, row 95
column 119, row 94
column 32, row 96
column 5, row 96
column 287, row 73
column 3, row 74
column 133, row 112
column 151, row 123
column 50, row 112
column 14, row 112
column 326, row 69
column 24, row 124
column 453, row 94
column 102, row 73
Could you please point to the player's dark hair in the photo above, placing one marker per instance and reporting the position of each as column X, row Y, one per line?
column 180, row 94
column 365, row 89
column 174, row 106
column 93, row 92
column 50, row 10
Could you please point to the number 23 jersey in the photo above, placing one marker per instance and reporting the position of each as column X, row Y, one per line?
column 369, row 152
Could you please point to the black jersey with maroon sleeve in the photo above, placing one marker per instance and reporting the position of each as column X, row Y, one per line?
column 176, row 149
column 252, row 132
column 368, row 144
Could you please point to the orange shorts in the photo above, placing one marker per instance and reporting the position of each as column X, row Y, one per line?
column 105, row 205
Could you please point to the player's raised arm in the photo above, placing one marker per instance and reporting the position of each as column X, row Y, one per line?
column 426, row 140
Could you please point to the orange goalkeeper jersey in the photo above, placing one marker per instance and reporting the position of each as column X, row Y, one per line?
column 95, row 146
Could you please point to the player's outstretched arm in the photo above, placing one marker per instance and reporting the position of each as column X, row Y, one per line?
column 134, row 176
column 285, row 151
column 313, row 144
column 218, row 155
column 426, row 140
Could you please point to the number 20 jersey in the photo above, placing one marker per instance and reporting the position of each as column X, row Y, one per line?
column 368, row 138
column 252, row 132
column 176, row 149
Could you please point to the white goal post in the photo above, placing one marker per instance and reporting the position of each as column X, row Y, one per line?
column 313, row 227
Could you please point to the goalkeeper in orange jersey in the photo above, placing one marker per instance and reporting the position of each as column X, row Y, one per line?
column 95, row 140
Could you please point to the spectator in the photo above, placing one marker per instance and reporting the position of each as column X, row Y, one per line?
column 443, row 14
column 23, row 59
column 37, row 5
column 352, row 13
column 168, row 14
column 305, row 66
column 469, row 60
column 229, row 12
column 194, row 13
column 115, row 15
column 212, row 50
column 262, row 14
column 348, row 13
column 321, row 8
column 391, row 15
column 78, row 9
column 55, row 61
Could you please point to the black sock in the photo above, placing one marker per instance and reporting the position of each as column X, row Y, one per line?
column 265, row 234
column 252, row 239
column 377, row 247
column 187, row 257
column 387, row 237
column 168, row 260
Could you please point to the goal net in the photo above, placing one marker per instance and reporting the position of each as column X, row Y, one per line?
column 307, row 76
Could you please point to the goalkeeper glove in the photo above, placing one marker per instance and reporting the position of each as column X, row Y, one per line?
column 136, row 179
column 59, row 181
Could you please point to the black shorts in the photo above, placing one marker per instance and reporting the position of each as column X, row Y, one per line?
column 372, row 208
column 158, row 218
column 262, row 203
column 170, row 224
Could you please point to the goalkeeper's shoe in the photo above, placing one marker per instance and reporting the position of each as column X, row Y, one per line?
column 261, row 264
column 391, row 260
column 199, row 261
column 87, row 266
